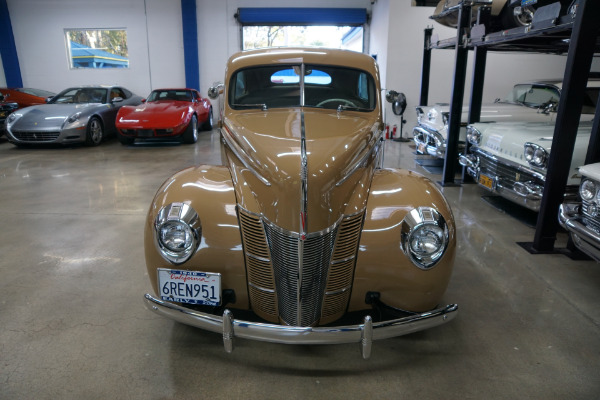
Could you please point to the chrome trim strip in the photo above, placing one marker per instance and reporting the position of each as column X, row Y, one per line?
column 263, row 259
column 335, row 262
column 339, row 291
column 302, row 335
column 240, row 153
column 303, row 206
column 352, row 169
column 261, row 288
column 584, row 238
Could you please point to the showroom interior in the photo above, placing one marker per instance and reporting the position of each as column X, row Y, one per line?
column 73, row 323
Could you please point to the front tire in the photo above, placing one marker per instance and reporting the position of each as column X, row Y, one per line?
column 95, row 132
column 208, row 124
column 190, row 136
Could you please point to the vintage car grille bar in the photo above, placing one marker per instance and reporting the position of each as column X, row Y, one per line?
column 273, row 263
column 35, row 136
column 590, row 220
column 507, row 173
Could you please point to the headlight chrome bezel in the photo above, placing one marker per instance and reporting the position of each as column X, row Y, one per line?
column 587, row 193
column 176, row 219
column 419, row 228
column 473, row 135
column 536, row 155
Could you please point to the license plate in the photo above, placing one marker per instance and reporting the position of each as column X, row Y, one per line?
column 191, row 287
column 422, row 148
column 486, row 181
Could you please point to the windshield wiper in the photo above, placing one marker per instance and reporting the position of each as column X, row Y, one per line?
column 262, row 106
column 342, row 107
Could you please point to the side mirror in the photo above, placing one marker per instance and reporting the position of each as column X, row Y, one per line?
column 117, row 100
column 143, row 100
column 49, row 99
column 216, row 90
column 398, row 101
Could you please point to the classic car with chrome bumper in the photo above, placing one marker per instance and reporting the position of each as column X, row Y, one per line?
column 581, row 218
column 301, row 234
column 510, row 159
column 529, row 102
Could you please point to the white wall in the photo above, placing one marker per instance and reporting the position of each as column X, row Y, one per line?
column 39, row 25
column 405, row 56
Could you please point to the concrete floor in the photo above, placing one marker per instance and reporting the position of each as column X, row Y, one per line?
column 73, row 326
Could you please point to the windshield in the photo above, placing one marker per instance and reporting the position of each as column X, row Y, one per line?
column 532, row 95
column 324, row 87
column 170, row 95
column 81, row 95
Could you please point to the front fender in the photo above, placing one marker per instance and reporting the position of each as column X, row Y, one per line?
column 381, row 265
column 209, row 190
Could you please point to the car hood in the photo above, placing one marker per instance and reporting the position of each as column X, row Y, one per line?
column 591, row 171
column 50, row 116
column 154, row 114
column 507, row 140
column 267, row 164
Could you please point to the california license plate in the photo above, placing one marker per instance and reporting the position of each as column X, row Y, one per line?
column 191, row 287
column 486, row 181
column 145, row 132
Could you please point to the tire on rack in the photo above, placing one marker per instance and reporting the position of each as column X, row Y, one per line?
column 208, row 124
column 95, row 132
column 190, row 136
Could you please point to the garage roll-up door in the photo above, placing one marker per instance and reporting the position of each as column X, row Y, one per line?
column 302, row 16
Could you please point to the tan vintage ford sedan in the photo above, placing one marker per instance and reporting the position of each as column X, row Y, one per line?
column 301, row 236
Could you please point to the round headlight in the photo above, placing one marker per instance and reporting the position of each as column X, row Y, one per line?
column 529, row 153
column 424, row 236
column 177, row 232
column 473, row 135
column 539, row 157
column 588, row 190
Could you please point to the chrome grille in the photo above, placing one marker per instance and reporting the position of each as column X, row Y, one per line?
column 35, row 136
column 507, row 174
column 272, row 261
column 300, row 306
column 589, row 220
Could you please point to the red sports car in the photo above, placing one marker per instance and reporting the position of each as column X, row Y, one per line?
column 166, row 114
column 12, row 99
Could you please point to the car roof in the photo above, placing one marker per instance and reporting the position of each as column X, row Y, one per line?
column 297, row 55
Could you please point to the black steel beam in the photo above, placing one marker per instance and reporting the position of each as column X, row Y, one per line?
column 579, row 60
column 458, row 91
column 477, row 81
column 426, row 69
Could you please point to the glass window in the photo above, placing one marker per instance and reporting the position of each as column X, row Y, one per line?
column 337, row 37
column 97, row 48
column 324, row 87
column 533, row 95
column 81, row 95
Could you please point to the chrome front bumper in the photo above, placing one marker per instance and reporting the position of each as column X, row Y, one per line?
column 587, row 240
column 363, row 334
column 429, row 142
column 527, row 194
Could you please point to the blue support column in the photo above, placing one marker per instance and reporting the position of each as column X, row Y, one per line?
column 8, row 50
column 190, row 43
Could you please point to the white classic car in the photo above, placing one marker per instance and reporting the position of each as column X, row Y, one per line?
column 581, row 218
column 533, row 101
column 511, row 158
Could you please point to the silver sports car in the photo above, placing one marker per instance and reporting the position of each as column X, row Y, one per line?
column 76, row 115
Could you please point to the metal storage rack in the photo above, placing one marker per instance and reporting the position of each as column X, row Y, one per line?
column 577, row 36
